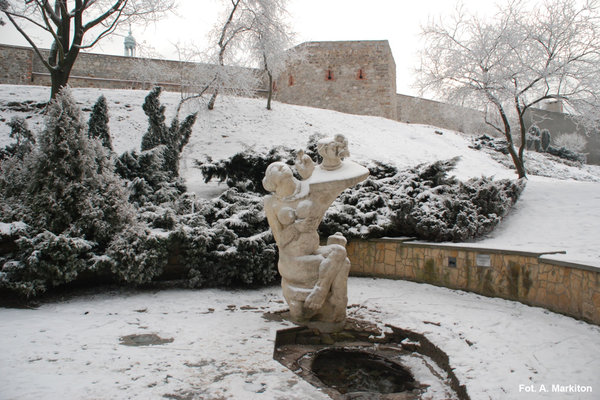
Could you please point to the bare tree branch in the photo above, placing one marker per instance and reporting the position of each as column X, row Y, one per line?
column 86, row 24
column 522, row 57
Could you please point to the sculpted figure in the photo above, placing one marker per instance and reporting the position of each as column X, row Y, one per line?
column 333, row 151
column 314, row 277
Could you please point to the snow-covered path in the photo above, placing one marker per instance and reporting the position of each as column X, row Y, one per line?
column 222, row 346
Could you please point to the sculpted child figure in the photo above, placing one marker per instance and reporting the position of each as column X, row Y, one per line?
column 314, row 277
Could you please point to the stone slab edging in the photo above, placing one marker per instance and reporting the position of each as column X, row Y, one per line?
column 529, row 277
column 569, row 264
column 542, row 255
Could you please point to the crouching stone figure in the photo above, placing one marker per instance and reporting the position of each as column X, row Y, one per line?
column 314, row 277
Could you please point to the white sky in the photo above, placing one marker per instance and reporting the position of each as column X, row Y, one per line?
column 398, row 21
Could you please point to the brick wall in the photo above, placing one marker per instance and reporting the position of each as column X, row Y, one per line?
column 357, row 77
column 529, row 278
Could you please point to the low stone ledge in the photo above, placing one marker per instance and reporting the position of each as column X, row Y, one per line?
column 410, row 241
column 532, row 278
column 569, row 264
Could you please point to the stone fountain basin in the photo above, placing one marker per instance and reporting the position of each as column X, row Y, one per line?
column 360, row 362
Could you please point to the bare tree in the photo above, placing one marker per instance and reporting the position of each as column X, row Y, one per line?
column 76, row 25
column 251, row 29
column 525, row 55
column 238, row 20
column 149, row 68
column 269, row 38
column 197, row 79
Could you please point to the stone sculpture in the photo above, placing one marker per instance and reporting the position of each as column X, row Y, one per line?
column 314, row 277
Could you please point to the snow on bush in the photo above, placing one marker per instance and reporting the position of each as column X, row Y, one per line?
column 146, row 178
column 81, row 208
column 85, row 209
column 228, row 242
column 67, row 184
column 539, row 140
column 24, row 139
column 98, row 123
column 137, row 255
column 422, row 202
column 45, row 260
column 67, row 192
column 572, row 141
column 244, row 170
column 564, row 153
column 174, row 138
column 496, row 144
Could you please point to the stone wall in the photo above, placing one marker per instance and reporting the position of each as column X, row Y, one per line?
column 416, row 110
column 356, row 77
column 362, row 81
column 21, row 66
column 15, row 65
column 529, row 278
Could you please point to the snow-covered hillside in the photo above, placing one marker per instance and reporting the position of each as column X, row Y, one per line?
column 556, row 212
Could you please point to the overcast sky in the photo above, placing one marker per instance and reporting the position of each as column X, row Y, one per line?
column 398, row 21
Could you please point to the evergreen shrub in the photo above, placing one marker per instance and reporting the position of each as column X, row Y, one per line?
column 423, row 202
column 98, row 123
column 137, row 255
column 25, row 140
column 244, row 170
column 44, row 261
column 89, row 211
column 67, row 192
column 567, row 154
column 228, row 242
column 174, row 138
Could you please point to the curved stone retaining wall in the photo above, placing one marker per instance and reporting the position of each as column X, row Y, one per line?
column 529, row 278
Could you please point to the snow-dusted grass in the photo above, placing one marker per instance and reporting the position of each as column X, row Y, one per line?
column 222, row 346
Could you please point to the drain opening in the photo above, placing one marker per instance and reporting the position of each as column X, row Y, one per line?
column 350, row 371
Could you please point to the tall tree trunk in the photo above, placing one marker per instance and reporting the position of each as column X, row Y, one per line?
column 270, row 96
column 517, row 161
column 523, row 137
column 59, row 80
column 516, row 158
column 59, row 75
column 213, row 98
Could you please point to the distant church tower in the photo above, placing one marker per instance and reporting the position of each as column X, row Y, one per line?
column 129, row 44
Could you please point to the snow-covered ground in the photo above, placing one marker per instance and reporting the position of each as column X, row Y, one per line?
column 222, row 346
column 554, row 215
column 560, row 213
